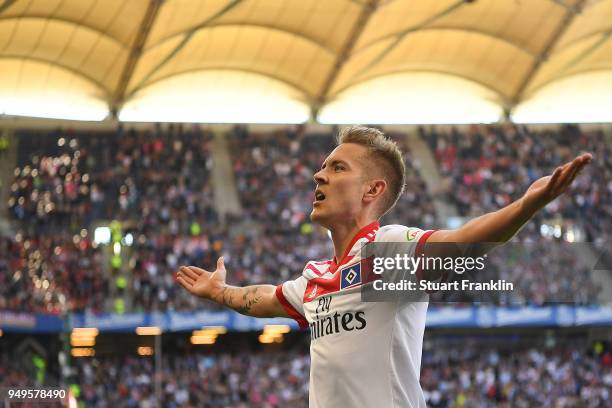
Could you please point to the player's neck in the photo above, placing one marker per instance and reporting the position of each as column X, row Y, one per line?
column 342, row 235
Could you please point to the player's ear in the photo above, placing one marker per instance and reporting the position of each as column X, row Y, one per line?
column 374, row 189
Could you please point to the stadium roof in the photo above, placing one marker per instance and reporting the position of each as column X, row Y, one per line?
column 372, row 61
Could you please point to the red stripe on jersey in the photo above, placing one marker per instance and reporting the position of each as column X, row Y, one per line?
column 419, row 251
column 315, row 270
column 369, row 232
column 291, row 311
column 324, row 286
column 312, row 291
column 319, row 286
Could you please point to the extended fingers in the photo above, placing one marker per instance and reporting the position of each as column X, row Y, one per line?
column 569, row 172
column 575, row 170
column 196, row 270
column 581, row 161
column 189, row 272
column 577, row 165
column 181, row 279
column 555, row 177
column 181, row 274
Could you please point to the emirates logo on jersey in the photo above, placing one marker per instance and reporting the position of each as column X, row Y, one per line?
column 337, row 323
column 334, row 322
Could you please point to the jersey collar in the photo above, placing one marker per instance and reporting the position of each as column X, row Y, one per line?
column 366, row 232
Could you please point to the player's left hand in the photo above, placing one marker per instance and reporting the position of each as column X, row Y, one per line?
column 546, row 189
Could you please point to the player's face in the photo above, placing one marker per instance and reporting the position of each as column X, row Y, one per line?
column 341, row 184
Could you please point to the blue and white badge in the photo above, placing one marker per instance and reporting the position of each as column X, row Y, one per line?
column 350, row 276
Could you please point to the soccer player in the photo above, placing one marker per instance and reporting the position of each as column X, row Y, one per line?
column 365, row 354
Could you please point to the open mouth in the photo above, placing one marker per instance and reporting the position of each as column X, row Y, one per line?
column 319, row 196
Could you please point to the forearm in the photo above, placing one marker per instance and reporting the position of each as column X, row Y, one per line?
column 496, row 227
column 254, row 300
column 484, row 232
column 500, row 226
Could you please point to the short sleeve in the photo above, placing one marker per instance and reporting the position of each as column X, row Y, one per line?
column 290, row 294
column 402, row 234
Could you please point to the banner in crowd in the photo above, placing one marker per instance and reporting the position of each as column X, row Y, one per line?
column 30, row 323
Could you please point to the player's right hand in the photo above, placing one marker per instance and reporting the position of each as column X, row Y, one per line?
column 201, row 282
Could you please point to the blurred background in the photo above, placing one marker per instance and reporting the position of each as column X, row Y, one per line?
column 136, row 136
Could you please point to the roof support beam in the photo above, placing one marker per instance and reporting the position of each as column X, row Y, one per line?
column 285, row 30
column 603, row 32
column 59, row 19
column 399, row 36
column 187, row 36
column 6, row 4
column 362, row 20
column 135, row 53
column 584, row 54
column 564, row 24
column 450, row 28
column 561, row 3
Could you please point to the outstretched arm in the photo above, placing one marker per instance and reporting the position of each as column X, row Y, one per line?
column 255, row 300
column 500, row 226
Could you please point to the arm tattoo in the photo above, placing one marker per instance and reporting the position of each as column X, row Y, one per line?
column 244, row 303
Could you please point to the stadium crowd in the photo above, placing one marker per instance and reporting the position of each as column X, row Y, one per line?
column 272, row 379
column 158, row 184
column 541, row 272
column 488, row 167
column 559, row 377
column 51, row 273
column 451, row 377
column 144, row 179
column 159, row 179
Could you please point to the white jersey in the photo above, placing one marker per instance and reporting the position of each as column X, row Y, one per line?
column 363, row 354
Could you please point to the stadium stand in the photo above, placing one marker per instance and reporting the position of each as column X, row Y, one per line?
column 527, row 377
column 51, row 273
column 158, row 177
column 490, row 166
column 77, row 181
column 455, row 372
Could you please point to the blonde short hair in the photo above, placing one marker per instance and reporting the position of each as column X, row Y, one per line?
column 384, row 156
